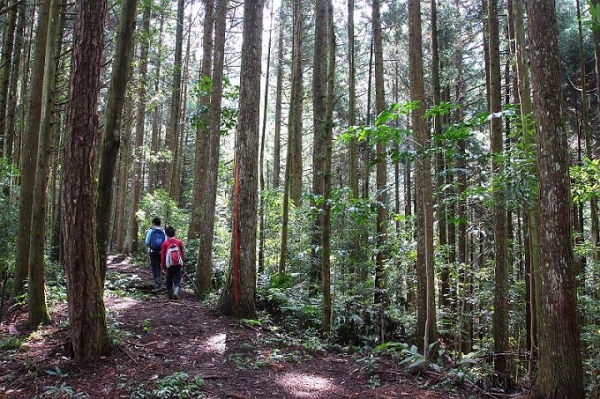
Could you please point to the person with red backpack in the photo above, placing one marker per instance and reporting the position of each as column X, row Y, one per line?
column 155, row 236
column 172, row 263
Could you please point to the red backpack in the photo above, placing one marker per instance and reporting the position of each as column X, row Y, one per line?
column 173, row 256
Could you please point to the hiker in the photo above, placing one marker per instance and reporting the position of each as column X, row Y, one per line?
column 172, row 263
column 155, row 237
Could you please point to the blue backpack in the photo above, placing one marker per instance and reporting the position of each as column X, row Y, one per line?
column 157, row 237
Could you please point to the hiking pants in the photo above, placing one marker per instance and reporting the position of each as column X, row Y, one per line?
column 173, row 277
column 155, row 264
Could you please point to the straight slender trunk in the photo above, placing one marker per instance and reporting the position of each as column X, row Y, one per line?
column 11, row 102
column 38, row 310
column 327, row 152
column 131, row 243
column 155, row 176
column 500, row 233
column 203, row 129
column 296, row 100
column 172, row 178
column 381, row 174
column 532, row 211
column 6, row 56
column 353, row 150
column 121, row 211
column 319, row 94
column 111, row 139
column 203, row 279
column 444, row 295
column 261, row 244
column 426, row 317
column 278, row 102
column 30, row 148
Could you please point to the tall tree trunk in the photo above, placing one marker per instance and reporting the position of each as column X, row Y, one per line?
column 560, row 373
column 30, row 148
column 203, row 130
column 131, row 243
column 585, row 123
column 154, row 175
column 261, row 244
column 381, row 175
column 11, row 102
column 426, row 318
column 87, row 315
column 532, row 211
column 353, row 151
column 285, row 217
column 319, row 94
column 38, row 311
column 111, row 139
column 172, row 181
column 500, row 238
column 278, row 106
column 327, row 141
column 596, row 39
column 238, row 296
column 123, row 181
column 183, row 129
column 6, row 56
column 295, row 116
column 205, row 260
column 444, row 295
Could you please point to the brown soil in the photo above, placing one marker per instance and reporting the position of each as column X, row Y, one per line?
column 157, row 337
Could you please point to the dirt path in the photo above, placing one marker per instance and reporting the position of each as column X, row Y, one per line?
column 158, row 340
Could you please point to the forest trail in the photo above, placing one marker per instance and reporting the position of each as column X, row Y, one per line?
column 162, row 346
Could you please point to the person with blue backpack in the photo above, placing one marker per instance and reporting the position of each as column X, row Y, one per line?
column 155, row 236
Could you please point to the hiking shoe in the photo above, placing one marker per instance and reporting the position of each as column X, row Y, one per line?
column 176, row 293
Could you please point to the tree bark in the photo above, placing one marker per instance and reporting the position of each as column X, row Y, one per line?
column 119, row 229
column 381, row 173
column 11, row 105
column 172, row 181
column 426, row 318
column 87, row 315
column 319, row 94
column 111, row 140
column 500, row 318
column 131, row 243
column 532, row 211
column 261, row 168
column 38, row 311
column 155, row 176
column 327, row 153
column 353, row 150
column 30, row 148
column 278, row 104
column 237, row 298
column 205, row 259
column 295, row 115
column 560, row 373
column 203, row 129
column 6, row 56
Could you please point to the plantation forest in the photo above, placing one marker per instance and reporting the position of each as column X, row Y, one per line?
column 377, row 199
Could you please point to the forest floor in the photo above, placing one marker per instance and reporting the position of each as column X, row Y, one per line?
column 163, row 346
